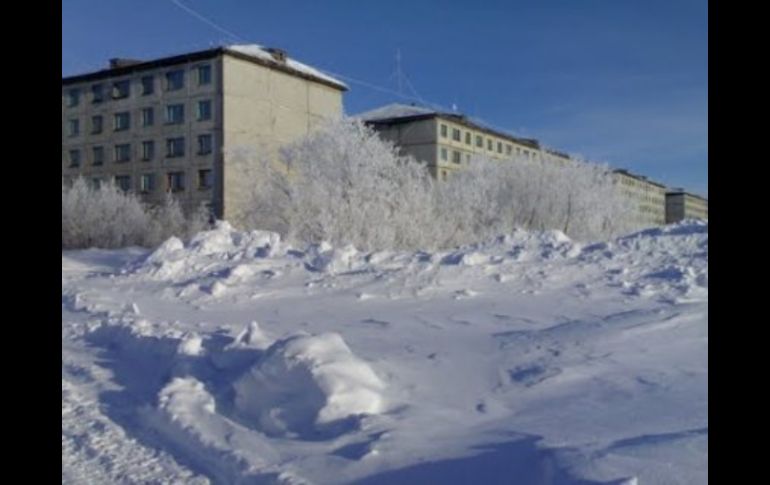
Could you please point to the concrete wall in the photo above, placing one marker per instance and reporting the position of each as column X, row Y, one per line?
column 159, row 132
column 681, row 206
column 648, row 200
column 264, row 109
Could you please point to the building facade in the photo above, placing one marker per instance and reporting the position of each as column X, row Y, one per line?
column 447, row 142
column 647, row 198
column 172, row 124
column 685, row 205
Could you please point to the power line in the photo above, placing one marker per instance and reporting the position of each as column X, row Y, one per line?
column 208, row 21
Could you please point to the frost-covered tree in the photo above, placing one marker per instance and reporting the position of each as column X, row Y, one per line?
column 345, row 185
column 107, row 217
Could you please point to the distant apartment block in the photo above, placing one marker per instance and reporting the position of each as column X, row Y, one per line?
column 685, row 205
column 170, row 124
column 647, row 198
column 446, row 142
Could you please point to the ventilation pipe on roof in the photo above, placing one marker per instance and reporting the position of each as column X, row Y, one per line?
column 278, row 54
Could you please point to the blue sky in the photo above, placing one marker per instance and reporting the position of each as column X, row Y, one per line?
column 618, row 81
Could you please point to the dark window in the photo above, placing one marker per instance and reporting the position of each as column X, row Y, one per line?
column 148, row 85
column 122, row 121
column 121, row 89
column 97, row 124
column 499, row 147
column 148, row 150
column 489, row 144
column 97, row 91
column 74, row 127
column 123, row 182
column 456, row 157
column 174, row 80
column 479, row 141
column 147, row 182
column 456, row 134
column 174, row 114
column 98, row 153
column 443, row 154
column 204, row 74
column 508, row 149
column 205, row 179
column 443, row 131
column 148, row 117
column 204, row 110
column 74, row 97
column 175, row 181
column 122, row 153
column 175, row 147
column 467, row 137
column 204, row 144
column 74, row 158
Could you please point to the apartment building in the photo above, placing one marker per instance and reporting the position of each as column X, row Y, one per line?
column 173, row 124
column 448, row 141
column 647, row 198
column 685, row 205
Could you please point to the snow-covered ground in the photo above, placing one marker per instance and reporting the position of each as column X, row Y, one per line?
column 527, row 360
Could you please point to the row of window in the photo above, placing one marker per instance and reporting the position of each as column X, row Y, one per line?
column 457, row 135
column 174, row 81
column 175, row 147
column 147, row 182
column 175, row 115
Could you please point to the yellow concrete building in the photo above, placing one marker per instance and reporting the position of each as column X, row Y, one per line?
column 448, row 141
column 685, row 205
column 647, row 198
column 171, row 124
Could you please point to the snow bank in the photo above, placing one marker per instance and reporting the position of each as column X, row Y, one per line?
column 305, row 384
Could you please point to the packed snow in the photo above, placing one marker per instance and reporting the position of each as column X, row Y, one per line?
column 528, row 359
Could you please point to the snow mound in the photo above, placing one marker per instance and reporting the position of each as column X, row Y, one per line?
column 307, row 384
column 327, row 259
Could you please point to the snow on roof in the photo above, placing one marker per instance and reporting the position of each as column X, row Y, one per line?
column 260, row 52
column 394, row 110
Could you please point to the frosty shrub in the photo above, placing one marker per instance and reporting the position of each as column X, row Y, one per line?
column 110, row 218
column 345, row 185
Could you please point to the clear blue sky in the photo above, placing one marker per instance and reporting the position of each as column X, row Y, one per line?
column 619, row 81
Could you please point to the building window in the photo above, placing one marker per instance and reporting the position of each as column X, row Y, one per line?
column 489, row 144
column 122, row 121
column 97, row 124
column 175, row 147
column 499, row 147
column 148, row 150
column 456, row 134
column 147, row 183
column 175, row 181
column 121, row 89
column 205, row 179
column 204, row 75
column 98, row 153
column 443, row 131
column 73, row 98
column 508, row 149
column 73, row 127
column 479, row 141
column 468, row 138
column 123, row 182
column 443, row 154
column 148, row 85
column 74, row 158
column 204, row 110
column 204, row 144
column 97, row 91
column 96, row 183
column 174, row 114
column 148, row 117
column 122, row 153
column 456, row 157
column 174, row 80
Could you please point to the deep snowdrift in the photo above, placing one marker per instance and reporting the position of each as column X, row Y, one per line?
column 530, row 358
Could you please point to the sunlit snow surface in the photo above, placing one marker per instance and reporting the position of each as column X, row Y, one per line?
column 528, row 360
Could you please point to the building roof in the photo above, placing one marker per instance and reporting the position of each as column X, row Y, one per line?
column 268, row 57
column 625, row 172
column 396, row 113
column 680, row 191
